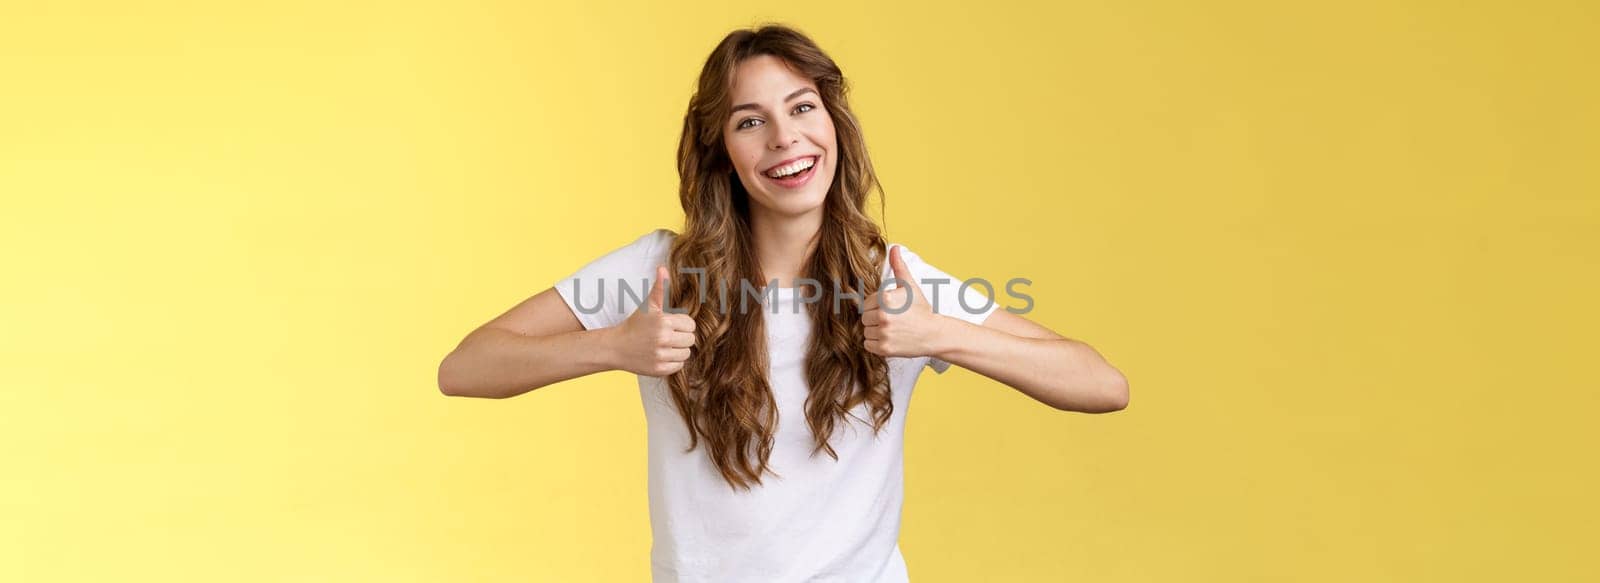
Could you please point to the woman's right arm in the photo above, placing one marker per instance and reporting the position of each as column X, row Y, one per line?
column 540, row 341
column 534, row 344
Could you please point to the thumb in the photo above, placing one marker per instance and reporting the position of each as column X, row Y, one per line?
column 901, row 272
column 657, row 298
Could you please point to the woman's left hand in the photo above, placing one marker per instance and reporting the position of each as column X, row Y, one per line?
column 895, row 329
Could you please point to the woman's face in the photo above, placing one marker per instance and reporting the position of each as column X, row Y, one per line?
column 780, row 138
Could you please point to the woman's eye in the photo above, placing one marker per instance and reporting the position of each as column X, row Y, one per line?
column 751, row 122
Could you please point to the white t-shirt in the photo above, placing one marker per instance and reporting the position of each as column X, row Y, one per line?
column 823, row 520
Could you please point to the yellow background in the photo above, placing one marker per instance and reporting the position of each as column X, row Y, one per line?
column 1346, row 255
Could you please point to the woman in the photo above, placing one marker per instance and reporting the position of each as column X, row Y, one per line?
column 774, row 430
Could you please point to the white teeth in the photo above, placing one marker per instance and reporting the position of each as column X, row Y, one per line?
column 792, row 167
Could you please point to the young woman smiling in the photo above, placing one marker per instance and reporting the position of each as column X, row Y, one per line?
column 775, row 434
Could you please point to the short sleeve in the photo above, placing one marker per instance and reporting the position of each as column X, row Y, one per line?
column 950, row 295
column 608, row 289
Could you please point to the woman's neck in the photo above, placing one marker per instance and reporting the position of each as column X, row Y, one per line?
column 784, row 242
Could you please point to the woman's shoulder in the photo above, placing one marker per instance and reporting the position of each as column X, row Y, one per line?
column 659, row 244
column 913, row 260
column 653, row 248
column 634, row 259
column 651, row 243
column 655, row 236
column 660, row 236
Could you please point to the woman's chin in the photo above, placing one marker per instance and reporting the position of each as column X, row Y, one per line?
column 792, row 204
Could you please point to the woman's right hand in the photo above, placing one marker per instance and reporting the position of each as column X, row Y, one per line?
column 653, row 342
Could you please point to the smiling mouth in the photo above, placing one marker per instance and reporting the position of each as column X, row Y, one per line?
column 793, row 172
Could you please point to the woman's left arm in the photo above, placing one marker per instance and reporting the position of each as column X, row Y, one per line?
column 1057, row 371
column 1060, row 372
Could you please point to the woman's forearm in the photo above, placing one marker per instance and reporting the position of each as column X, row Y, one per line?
column 1060, row 372
column 496, row 363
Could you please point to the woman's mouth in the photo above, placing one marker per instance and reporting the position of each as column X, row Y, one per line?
column 793, row 174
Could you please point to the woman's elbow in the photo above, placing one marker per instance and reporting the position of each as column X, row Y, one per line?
column 1117, row 394
column 1108, row 396
column 451, row 381
column 447, row 380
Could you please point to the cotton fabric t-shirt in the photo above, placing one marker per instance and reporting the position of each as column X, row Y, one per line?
column 822, row 520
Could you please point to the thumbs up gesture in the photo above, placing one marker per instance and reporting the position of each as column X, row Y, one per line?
column 653, row 342
column 894, row 328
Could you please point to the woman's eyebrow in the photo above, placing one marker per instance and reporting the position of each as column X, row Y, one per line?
column 797, row 93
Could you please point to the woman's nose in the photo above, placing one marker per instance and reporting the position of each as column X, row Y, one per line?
column 783, row 136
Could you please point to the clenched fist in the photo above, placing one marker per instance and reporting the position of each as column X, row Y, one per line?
column 652, row 342
column 905, row 331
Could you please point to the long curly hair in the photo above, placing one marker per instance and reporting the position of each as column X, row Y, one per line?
column 722, row 391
